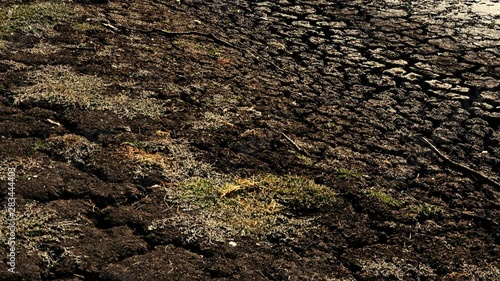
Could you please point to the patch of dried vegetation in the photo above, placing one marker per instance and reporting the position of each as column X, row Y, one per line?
column 262, row 207
column 35, row 17
column 22, row 165
column 60, row 86
column 38, row 230
column 395, row 269
column 171, row 157
column 67, row 147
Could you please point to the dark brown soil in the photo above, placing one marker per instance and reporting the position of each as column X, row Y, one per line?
column 104, row 117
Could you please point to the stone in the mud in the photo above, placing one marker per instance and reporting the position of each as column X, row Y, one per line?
column 480, row 81
column 491, row 97
column 460, row 89
column 425, row 69
column 438, row 84
column 373, row 64
column 396, row 71
column 412, row 76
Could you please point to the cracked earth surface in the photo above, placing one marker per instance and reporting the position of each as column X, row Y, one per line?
column 339, row 92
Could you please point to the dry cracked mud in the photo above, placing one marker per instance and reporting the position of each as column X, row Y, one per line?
column 251, row 140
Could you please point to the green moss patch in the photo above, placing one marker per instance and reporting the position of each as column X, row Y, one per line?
column 262, row 206
column 34, row 17
column 385, row 198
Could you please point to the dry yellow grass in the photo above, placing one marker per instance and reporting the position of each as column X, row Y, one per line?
column 61, row 86
column 172, row 158
column 259, row 207
column 37, row 228
column 33, row 17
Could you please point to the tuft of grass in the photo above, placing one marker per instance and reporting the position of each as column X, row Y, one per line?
column 33, row 17
column 40, row 145
column 292, row 192
column 385, row 198
column 69, row 147
column 260, row 206
column 308, row 161
column 167, row 157
column 43, row 48
column 394, row 269
column 37, row 230
column 424, row 210
column 134, row 143
column 213, row 121
column 214, row 53
column 347, row 174
column 190, row 47
column 88, row 27
column 143, row 160
column 201, row 192
column 60, row 86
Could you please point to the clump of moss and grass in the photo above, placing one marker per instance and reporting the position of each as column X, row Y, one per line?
column 267, row 206
column 67, row 147
column 423, row 211
column 89, row 27
column 33, row 17
column 61, row 87
column 347, row 174
column 41, row 145
column 409, row 207
column 385, row 198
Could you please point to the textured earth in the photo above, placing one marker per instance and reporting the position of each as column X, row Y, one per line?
column 108, row 110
